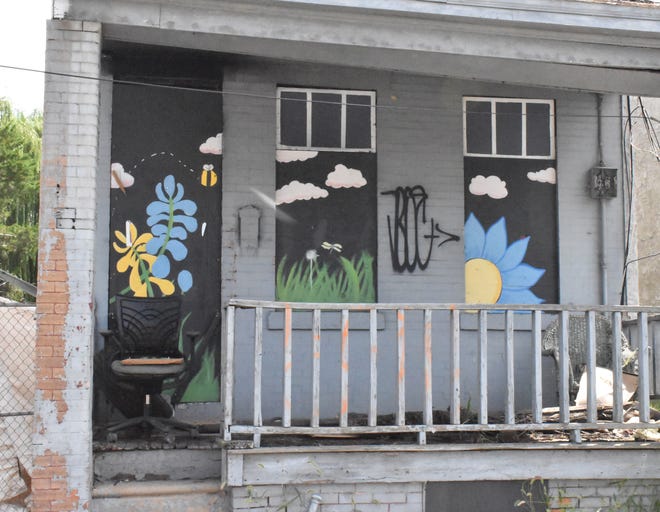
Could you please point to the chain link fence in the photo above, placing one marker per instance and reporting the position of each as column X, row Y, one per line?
column 17, row 386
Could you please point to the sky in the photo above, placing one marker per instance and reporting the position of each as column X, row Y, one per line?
column 23, row 44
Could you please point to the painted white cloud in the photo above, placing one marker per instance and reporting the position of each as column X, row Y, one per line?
column 290, row 155
column 492, row 186
column 344, row 177
column 548, row 175
column 213, row 145
column 296, row 191
column 119, row 178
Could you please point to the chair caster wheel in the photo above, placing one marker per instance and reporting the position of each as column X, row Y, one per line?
column 111, row 437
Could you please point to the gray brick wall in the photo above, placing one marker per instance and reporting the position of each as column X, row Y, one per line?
column 605, row 495
column 63, row 455
column 406, row 497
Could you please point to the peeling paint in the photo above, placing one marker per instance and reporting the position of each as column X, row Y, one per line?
column 53, row 290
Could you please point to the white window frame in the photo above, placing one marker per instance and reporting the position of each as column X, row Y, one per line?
column 493, row 117
column 308, row 127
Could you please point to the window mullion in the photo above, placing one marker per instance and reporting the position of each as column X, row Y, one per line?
column 342, row 136
column 372, row 128
column 551, row 129
column 493, row 127
column 308, row 121
column 278, row 108
column 523, row 131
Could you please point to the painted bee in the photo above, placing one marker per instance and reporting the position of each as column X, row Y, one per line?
column 209, row 176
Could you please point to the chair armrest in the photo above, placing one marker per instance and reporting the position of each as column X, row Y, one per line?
column 113, row 346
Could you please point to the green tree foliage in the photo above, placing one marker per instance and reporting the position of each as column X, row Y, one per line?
column 20, row 155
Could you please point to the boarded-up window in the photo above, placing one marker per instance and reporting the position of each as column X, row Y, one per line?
column 326, row 196
column 510, row 201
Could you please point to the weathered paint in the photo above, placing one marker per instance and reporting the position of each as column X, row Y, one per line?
column 62, row 436
column 600, row 47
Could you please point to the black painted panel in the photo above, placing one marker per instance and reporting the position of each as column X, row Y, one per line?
column 166, row 151
column 340, row 209
column 529, row 209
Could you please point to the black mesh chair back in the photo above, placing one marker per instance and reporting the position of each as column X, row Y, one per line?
column 149, row 326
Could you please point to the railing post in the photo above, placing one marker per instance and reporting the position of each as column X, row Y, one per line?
column 643, row 359
column 564, row 411
column 509, row 413
column 537, row 376
column 617, row 369
column 229, row 374
column 483, row 367
column 455, row 368
column 591, row 367
column 428, row 367
column 258, row 358
column 343, row 412
column 316, row 367
column 286, row 403
column 373, row 367
column 401, row 364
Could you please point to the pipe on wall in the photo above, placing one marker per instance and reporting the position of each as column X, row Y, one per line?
column 602, row 210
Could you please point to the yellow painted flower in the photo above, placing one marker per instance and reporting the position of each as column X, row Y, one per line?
column 136, row 258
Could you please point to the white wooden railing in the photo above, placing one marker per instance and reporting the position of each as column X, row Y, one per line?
column 256, row 328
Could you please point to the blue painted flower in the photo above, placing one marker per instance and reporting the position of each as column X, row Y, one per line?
column 171, row 219
column 494, row 271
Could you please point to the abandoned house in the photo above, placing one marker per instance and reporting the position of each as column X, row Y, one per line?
column 397, row 231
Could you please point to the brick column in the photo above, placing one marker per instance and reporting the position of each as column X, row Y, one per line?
column 62, row 476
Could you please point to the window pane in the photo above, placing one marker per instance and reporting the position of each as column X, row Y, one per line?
column 293, row 118
column 509, row 128
column 358, row 121
column 538, row 129
column 326, row 120
column 478, row 131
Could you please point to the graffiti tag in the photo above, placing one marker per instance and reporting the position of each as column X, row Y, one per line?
column 405, row 232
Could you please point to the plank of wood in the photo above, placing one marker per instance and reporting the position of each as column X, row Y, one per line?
column 151, row 360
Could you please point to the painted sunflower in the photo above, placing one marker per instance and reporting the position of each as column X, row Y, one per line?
column 494, row 271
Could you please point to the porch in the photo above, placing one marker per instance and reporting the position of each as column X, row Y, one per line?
column 358, row 402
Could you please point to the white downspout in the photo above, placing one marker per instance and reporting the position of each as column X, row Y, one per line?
column 314, row 503
column 603, row 224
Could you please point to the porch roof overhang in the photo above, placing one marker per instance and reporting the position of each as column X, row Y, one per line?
column 569, row 44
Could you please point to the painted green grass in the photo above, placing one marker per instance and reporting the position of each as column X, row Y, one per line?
column 205, row 386
column 353, row 281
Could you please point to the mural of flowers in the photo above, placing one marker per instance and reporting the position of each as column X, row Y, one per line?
column 494, row 271
column 135, row 257
column 148, row 255
column 171, row 219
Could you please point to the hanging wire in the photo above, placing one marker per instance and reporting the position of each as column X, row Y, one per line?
column 436, row 110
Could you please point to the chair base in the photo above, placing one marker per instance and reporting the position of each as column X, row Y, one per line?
column 147, row 421
column 164, row 425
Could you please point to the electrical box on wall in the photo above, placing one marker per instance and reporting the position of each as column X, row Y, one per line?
column 602, row 182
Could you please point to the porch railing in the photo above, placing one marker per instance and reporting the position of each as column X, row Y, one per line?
column 455, row 346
